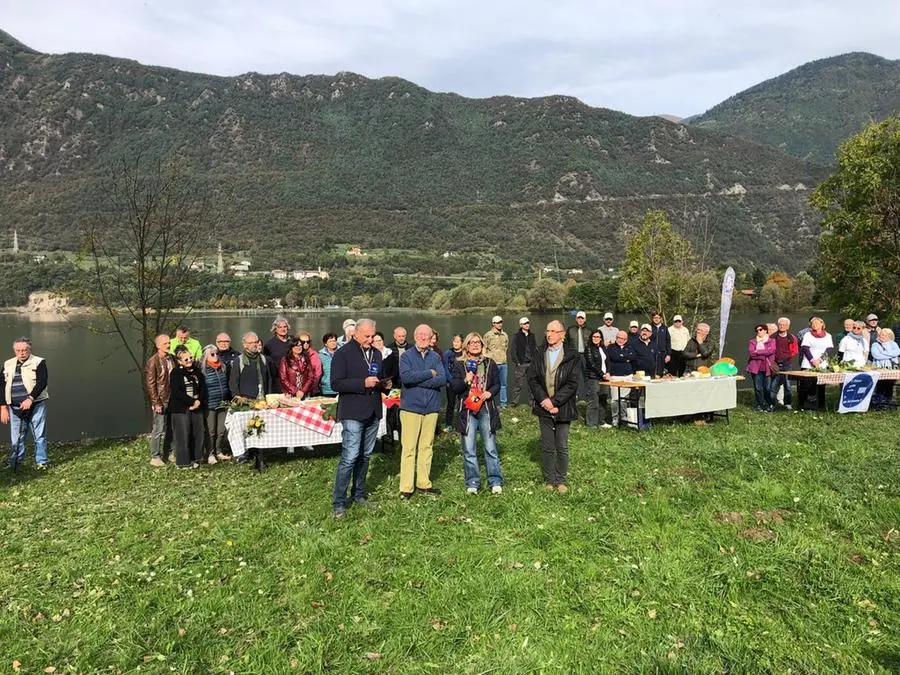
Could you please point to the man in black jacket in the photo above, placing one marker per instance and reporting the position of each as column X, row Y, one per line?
column 662, row 341
column 523, row 349
column 621, row 368
column 250, row 376
column 553, row 381
column 356, row 375
column 645, row 354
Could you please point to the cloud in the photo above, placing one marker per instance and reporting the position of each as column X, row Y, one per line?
column 651, row 56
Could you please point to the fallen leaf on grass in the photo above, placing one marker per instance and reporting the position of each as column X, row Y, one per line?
column 365, row 540
column 438, row 624
column 892, row 535
column 16, row 666
column 50, row 669
column 773, row 516
column 857, row 559
column 868, row 604
column 651, row 613
column 517, row 566
column 181, row 632
column 373, row 656
column 223, row 631
column 329, row 577
column 316, row 604
column 513, row 627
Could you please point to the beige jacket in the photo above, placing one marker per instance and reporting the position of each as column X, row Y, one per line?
column 496, row 345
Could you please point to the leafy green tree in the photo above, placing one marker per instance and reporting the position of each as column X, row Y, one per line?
column 546, row 294
column 802, row 292
column 420, row 298
column 661, row 271
column 859, row 250
column 772, row 297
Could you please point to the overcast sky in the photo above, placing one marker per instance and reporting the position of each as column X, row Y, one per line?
column 642, row 57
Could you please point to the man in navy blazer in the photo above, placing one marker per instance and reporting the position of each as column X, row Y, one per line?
column 357, row 378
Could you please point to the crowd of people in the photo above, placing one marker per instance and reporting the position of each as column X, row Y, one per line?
column 461, row 389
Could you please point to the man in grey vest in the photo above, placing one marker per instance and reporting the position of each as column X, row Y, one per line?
column 24, row 406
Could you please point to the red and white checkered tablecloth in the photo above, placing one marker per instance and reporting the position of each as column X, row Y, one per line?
column 308, row 417
column 281, row 432
column 838, row 378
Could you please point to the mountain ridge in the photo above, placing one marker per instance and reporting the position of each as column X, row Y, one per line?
column 316, row 156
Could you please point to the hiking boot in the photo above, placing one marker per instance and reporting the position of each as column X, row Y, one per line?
column 497, row 489
column 472, row 490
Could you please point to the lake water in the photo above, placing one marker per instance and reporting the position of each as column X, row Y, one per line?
column 95, row 391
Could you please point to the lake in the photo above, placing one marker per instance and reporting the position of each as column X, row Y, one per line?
column 95, row 391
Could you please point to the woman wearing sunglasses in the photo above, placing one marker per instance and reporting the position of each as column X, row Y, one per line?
column 187, row 392
column 761, row 350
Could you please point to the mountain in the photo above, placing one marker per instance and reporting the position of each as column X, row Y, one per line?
column 811, row 110
column 308, row 161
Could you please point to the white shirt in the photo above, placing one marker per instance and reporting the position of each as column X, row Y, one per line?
column 854, row 352
column 817, row 346
column 679, row 337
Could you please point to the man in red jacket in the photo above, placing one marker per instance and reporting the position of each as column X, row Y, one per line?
column 786, row 348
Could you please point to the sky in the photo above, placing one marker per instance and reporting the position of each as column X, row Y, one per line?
column 642, row 57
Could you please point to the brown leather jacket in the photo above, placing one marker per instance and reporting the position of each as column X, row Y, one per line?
column 156, row 374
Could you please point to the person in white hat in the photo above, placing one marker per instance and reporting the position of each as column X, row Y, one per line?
column 679, row 336
column 523, row 349
column 496, row 345
column 873, row 328
column 607, row 330
column 634, row 330
column 349, row 328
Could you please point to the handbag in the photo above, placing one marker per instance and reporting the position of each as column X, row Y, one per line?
column 475, row 398
column 773, row 368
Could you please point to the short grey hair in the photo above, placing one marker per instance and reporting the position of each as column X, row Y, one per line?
column 365, row 322
column 704, row 326
column 278, row 321
column 26, row 340
column 246, row 336
column 784, row 318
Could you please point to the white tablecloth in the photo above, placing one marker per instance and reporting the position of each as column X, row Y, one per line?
column 279, row 433
column 671, row 398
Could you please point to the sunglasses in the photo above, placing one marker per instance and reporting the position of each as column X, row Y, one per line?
column 304, row 342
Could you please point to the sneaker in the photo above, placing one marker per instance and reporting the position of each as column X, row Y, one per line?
column 549, row 487
column 562, row 489
column 472, row 490
column 242, row 459
column 366, row 503
column 430, row 491
column 306, row 448
column 338, row 513
column 497, row 489
column 171, row 459
column 222, row 457
column 212, row 460
column 43, row 466
column 395, row 436
column 606, row 426
column 406, row 496
column 157, row 461
column 290, row 451
column 788, row 407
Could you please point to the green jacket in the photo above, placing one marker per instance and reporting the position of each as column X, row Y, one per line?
column 192, row 344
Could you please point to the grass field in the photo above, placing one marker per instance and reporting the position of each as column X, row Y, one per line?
column 770, row 544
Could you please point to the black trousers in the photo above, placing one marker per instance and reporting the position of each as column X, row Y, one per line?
column 519, row 374
column 676, row 364
column 187, row 437
column 554, row 450
column 807, row 388
column 214, row 429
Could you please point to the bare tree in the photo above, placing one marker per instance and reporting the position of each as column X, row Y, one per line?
column 154, row 226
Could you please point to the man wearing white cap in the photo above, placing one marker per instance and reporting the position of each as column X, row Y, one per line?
column 608, row 331
column 349, row 328
column 873, row 328
column 633, row 331
column 496, row 345
column 679, row 336
column 523, row 350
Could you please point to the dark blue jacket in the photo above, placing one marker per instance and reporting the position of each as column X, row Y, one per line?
column 620, row 359
column 450, row 358
column 349, row 370
column 421, row 390
column 662, row 342
column 645, row 357
column 461, row 389
column 217, row 393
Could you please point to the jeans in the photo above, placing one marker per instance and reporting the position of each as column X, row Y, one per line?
column 480, row 423
column 554, row 450
column 35, row 421
column 502, row 368
column 597, row 396
column 762, row 390
column 161, row 435
column 357, row 443
column 779, row 381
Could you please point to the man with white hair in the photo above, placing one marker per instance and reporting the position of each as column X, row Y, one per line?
column 24, row 405
column 157, row 374
column 356, row 375
column 227, row 353
column 787, row 347
column 250, row 375
column 422, row 376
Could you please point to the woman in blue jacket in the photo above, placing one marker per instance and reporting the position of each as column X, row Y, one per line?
column 450, row 358
column 471, row 369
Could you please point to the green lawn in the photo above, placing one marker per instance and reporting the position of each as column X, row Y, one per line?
column 767, row 545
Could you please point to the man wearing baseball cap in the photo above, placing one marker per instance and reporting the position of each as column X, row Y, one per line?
column 496, row 345
column 679, row 336
column 607, row 330
column 873, row 327
column 523, row 350
column 634, row 332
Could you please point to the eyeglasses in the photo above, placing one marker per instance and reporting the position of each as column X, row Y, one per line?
column 216, row 354
column 762, row 330
column 304, row 342
column 186, row 359
column 474, row 342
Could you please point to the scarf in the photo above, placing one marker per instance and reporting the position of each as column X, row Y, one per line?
column 859, row 338
column 817, row 333
column 214, row 364
column 252, row 358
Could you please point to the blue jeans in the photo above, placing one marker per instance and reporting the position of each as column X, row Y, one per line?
column 761, row 390
column 481, row 423
column 781, row 381
column 502, row 368
column 35, row 422
column 357, row 443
